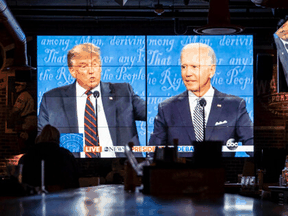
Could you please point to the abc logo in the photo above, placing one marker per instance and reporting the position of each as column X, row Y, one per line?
column 231, row 144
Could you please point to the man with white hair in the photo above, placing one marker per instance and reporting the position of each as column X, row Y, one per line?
column 181, row 117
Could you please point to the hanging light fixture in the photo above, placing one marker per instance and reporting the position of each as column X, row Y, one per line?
column 20, row 61
column 219, row 20
column 121, row 2
column 159, row 9
column 271, row 3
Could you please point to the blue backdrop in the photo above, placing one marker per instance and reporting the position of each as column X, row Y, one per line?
column 123, row 60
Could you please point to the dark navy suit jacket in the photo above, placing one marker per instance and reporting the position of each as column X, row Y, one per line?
column 228, row 119
column 122, row 107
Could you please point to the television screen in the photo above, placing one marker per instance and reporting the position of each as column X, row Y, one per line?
column 137, row 74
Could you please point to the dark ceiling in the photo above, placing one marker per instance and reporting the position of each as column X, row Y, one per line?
column 179, row 17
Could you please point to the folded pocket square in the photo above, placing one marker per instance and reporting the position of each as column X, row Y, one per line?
column 220, row 123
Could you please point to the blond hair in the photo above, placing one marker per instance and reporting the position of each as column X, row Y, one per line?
column 76, row 51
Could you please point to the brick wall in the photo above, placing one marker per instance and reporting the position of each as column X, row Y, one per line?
column 233, row 167
column 9, row 149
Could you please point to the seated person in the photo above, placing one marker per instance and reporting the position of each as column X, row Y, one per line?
column 60, row 166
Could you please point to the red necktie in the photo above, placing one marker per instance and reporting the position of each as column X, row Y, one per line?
column 90, row 126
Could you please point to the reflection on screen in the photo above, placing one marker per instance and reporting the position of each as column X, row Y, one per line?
column 154, row 79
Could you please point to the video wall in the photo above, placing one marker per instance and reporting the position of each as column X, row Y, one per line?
column 152, row 67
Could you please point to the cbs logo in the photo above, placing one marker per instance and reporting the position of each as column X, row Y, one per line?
column 231, row 144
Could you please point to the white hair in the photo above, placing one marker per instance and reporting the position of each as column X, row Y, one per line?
column 211, row 52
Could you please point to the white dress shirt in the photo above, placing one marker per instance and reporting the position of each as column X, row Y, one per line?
column 103, row 129
column 208, row 96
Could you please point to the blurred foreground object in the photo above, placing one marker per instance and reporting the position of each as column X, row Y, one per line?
column 203, row 176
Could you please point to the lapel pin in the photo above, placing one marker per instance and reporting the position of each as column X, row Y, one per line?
column 110, row 98
column 218, row 105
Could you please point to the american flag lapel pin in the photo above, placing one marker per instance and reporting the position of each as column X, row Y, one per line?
column 219, row 105
column 110, row 98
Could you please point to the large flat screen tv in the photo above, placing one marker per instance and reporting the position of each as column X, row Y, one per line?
column 151, row 65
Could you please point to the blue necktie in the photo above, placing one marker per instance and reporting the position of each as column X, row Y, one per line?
column 90, row 126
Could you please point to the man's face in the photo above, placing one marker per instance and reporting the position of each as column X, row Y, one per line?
column 86, row 68
column 19, row 87
column 196, row 70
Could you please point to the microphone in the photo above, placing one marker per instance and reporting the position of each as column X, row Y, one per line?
column 203, row 103
column 96, row 94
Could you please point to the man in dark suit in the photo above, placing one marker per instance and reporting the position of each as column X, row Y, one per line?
column 226, row 118
column 63, row 107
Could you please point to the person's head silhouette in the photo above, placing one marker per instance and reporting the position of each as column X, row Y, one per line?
column 48, row 134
